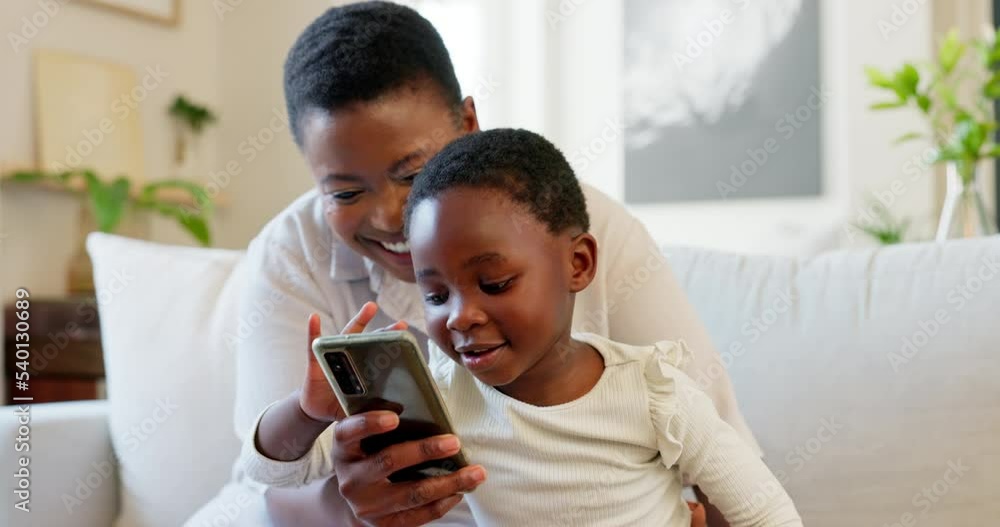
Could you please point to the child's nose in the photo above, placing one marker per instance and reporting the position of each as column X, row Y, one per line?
column 465, row 315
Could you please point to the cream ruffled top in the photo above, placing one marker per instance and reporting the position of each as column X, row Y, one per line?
column 616, row 456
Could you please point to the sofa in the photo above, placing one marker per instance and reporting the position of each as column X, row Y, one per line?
column 871, row 379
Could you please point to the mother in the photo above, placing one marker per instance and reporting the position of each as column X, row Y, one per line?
column 372, row 95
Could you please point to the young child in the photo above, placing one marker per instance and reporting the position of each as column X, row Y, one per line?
column 573, row 429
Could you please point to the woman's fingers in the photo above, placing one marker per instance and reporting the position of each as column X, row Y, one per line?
column 313, row 371
column 426, row 514
column 411, row 496
column 398, row 326
column 361, row 320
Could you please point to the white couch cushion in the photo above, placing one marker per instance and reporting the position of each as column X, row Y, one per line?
column 164, row 311
column 870, row 378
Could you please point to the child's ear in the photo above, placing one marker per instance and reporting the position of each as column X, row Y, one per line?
column 583, row 251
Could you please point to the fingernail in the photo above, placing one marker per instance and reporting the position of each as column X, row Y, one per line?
column 388, row 420
column 449, row 444
column 477, row 475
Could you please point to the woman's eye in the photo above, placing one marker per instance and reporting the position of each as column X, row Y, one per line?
column 492, row 288
column 344, row 195
column 435, row 299
column 409, row 179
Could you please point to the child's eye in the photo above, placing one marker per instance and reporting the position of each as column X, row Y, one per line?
column 435, row 299
column 492, row 288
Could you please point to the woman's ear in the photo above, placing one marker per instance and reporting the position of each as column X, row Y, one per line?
column 470, row 121
column 583, row 251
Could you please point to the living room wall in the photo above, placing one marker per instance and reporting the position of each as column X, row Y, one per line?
column 859, row 159
column 41, row 227
column 227, row 55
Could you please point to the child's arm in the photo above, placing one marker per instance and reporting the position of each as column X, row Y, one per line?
column 723, row 466
column 284, row 450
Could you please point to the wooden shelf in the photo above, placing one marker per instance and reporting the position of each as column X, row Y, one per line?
column 169, row 195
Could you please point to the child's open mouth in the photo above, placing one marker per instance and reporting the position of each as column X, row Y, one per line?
column 480, row 357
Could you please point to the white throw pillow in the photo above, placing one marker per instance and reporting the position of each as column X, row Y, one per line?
column 164, row 311
column 870, row 378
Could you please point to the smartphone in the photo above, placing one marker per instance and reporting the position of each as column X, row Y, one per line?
column 386, row 371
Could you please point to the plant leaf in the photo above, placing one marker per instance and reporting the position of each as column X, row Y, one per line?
column 877, row 78
column 907, row 137
column 947, row 94
column 887, row 105
column 906, row 81
column 992, row 87
column 107, row 200
column 198, row 193
column 194, row 223
column 950, row 52
column 924, row 102
column 198, row 227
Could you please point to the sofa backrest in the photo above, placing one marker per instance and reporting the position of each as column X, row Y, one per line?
column 870, row 378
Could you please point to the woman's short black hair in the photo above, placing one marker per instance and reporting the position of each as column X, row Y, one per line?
column 359, row 52
column 521, row 164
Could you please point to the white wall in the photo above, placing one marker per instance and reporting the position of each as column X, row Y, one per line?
column 858, row 158
column 41, row 227
column 254, row 39
column 230, row 59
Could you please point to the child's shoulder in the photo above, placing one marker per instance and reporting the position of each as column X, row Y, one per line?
column 670, row 353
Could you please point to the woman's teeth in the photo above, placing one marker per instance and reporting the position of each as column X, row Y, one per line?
column 398, row 247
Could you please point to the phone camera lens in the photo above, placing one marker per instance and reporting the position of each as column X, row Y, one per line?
column 343, row 372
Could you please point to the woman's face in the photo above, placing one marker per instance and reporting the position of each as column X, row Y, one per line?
column 364, row 159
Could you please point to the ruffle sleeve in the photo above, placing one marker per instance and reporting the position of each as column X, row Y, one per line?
column 661, row 372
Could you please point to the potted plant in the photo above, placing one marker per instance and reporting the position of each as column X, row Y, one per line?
column 190, row 119
column 108, row 201
column 961, row 132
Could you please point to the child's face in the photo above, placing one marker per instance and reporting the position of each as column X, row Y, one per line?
column 497, row 286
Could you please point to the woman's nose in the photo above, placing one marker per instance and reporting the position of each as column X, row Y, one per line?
column 387, row 215
column 464, row 316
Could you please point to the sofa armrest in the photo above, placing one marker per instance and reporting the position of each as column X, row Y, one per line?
column 72, row 472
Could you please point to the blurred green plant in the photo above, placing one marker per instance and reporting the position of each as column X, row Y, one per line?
column 960, row 133
column 886, row 229
column 195, row 116
column 109, row 200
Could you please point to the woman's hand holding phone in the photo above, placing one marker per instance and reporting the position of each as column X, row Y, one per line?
column 363, row 478
column 316, row 398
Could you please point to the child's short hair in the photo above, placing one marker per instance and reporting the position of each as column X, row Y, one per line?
column 521, row 164
column 358, row 52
